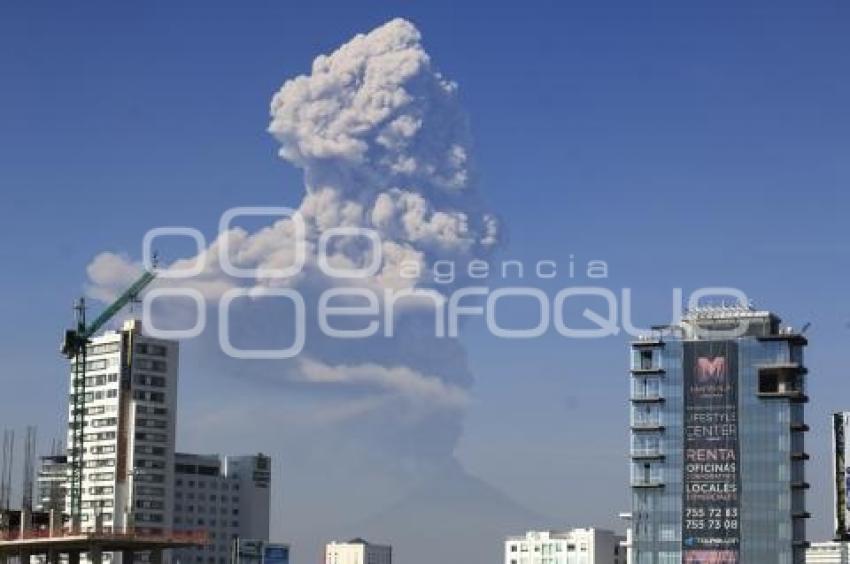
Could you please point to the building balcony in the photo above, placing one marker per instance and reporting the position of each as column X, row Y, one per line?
column 647, row 426
column 647, row 454
column 646, row 371
column 647, row 343
column 793, row 338
column 784, row 366
column 647, row 398
column 800, row 456
column 800, row 428
column 801, row 515
column 647, row 483
column 792, row 396
column 800, row 485
column 781, row 380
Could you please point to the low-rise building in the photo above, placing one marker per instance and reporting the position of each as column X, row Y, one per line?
column 837, row 552
column 228, row 498
column 358, row 551
column 577, row 546
column 52, row 483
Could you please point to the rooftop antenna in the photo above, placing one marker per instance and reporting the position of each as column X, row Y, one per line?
column 57, row 447
column 805, row 327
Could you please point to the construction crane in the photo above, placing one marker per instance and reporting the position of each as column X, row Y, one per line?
column 75, row 348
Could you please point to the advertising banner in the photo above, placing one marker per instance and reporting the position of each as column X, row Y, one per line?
column 256, row 551
column 276, row 554
column 711, row 504
column 248, row 551
column 840, row 422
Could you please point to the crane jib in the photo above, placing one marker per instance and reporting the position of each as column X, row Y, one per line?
column 129, row 295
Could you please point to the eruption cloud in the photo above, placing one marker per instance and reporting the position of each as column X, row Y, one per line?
column 365, row 429
column 383, row 144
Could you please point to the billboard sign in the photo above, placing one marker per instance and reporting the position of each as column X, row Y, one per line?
column 276, row 554
column 257, row 551
column 711, row 481
column 840, row 435
column 248, row 551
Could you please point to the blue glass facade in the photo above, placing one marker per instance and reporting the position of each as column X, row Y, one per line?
column 768, row 518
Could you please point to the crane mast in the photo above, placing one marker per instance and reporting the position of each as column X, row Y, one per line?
column 75, row 348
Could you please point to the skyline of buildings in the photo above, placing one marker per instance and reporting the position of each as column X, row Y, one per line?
column 133, row 478
column 717, row 447
column 288, row 164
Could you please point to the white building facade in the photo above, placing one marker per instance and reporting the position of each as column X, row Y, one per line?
column 129, row 431
column 229, row 498
column 358, row 551
column 828, row 553
column 577, row 546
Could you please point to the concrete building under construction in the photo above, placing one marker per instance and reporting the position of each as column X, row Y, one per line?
column 129, row 423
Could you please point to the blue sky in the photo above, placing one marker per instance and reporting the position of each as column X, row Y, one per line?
column 685, row 144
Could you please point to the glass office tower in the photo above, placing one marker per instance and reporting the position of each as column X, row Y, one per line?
column 717, row 441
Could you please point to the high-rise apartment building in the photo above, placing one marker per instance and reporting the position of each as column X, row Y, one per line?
column 227, row 497
column 357, row 551
column 717, row 441
column 129, row 428
column 577, row 546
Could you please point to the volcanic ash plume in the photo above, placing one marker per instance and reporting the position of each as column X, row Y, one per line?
column 383, row 144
